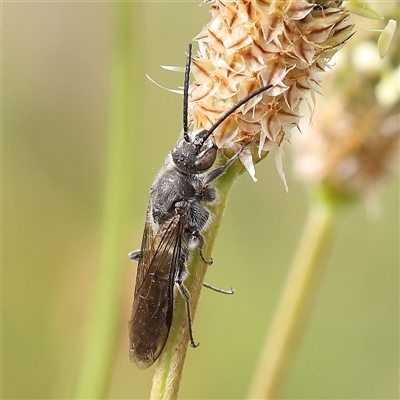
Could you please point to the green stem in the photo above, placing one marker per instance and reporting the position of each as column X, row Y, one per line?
column 305, row 277
column 98, row 354
column 169, row 369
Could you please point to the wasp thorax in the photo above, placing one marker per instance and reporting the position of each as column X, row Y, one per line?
column 191, row 158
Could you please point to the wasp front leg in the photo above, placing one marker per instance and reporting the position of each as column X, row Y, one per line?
column 216, row 173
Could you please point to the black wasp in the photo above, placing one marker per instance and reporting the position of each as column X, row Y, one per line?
column 176, row 217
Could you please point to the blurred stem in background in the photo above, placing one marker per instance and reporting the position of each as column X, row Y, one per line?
column 100, row 338
column 304, row 279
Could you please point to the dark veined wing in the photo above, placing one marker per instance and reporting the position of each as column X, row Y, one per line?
column 152, row 307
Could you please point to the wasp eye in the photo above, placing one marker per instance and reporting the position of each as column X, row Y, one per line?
column 206, row 160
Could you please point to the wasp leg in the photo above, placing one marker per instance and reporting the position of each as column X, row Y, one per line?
column 216, row 173
column 201, row 240
column 135, row 255
column 183, row 290
column 208, row 262
column 198, row 238
column 218, row 290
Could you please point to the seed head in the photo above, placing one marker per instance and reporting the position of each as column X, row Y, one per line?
column 252, row 43
column 353, row 144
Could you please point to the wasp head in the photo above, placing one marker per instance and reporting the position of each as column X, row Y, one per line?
column 194, row 157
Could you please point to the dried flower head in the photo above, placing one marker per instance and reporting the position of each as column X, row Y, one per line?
column 353, row 144
column 252, row 43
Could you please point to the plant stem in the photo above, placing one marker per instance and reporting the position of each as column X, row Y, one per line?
column 168, row 373
column 298, row 296
column 98, row 354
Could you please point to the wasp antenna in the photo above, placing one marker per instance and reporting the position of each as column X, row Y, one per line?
column 186, row 93
column 232, row 110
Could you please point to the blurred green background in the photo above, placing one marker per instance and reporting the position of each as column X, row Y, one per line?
column 56, row 66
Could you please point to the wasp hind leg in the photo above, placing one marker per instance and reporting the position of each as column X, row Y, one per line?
column 183, row 290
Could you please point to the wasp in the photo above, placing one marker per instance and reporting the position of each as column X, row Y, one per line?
column 176, row 218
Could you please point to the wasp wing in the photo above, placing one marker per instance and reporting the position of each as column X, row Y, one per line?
column 152, row 307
